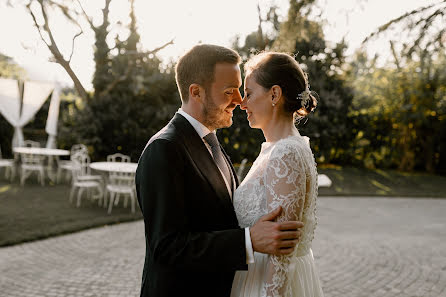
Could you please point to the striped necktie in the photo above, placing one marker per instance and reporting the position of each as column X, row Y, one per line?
column 219, row 159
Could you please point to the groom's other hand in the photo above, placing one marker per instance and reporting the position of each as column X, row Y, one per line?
column 275, row 238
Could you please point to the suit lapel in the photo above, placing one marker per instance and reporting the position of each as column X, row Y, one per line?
column 200, row 155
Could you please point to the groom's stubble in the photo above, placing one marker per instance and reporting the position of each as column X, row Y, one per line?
column 214, row 116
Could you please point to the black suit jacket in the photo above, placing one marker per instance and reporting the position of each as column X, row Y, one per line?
column 193, row 241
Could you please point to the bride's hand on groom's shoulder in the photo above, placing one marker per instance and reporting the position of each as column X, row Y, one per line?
column 275, row 238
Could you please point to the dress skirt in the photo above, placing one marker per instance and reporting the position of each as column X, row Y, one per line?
column 303, row 278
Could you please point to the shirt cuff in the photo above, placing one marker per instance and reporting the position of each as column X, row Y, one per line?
column 248, row 245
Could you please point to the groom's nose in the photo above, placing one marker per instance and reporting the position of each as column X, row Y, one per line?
column 237, row 98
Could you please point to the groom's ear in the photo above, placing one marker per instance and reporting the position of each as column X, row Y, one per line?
column 276, row 92
column 196, row 92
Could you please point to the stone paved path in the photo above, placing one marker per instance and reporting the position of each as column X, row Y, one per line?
column 363, row 247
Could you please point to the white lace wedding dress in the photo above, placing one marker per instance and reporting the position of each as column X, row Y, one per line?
column 283, row 174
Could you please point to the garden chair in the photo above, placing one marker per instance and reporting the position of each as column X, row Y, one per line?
column 82, row 180
column 9, row 165
column 67, row 165
column 32, row 163
column 85, row 173
column 118, row 158
column 120, row 184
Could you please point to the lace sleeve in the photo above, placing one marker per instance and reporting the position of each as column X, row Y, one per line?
column 285, row 182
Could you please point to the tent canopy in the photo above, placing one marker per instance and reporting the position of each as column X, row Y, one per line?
column 20, row 101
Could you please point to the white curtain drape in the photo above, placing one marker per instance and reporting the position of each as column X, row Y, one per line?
column 34, row 95
column 10, row 105
column 53, row 116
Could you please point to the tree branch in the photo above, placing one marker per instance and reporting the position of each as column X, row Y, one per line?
column 72, row 45
column 152, row 52
column 130, row 67
column 52, row 46
column 86, row 15
column 120, row 79
column 39, row 28
column 398, row 19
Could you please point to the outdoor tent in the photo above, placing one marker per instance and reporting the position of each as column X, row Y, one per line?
column 20, row 101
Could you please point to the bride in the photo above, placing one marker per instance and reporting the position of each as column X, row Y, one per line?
column 284, row 174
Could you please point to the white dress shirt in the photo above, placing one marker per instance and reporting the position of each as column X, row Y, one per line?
column 202, row 131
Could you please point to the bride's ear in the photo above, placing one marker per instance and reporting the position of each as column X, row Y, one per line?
column 276, row 92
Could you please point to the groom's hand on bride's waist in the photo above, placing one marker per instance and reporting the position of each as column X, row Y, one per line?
column 275, row 238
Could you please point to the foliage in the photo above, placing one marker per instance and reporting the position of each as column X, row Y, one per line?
column 122, row 116
column 9, row 69
column 400, row 113
column 125, row 119
column 424, row 27
column 328, row 127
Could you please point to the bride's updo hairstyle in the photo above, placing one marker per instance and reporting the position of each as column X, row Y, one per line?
column 272, row 68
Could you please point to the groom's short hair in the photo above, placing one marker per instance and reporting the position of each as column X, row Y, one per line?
column 198, row 64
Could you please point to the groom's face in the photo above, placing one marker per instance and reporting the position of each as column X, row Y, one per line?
column 222, row 96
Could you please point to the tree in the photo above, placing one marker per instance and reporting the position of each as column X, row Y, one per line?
column 40, row 10
column 417, row 88
column 399, row 113
column 424, row 27
column 329, row 127
column 126, row 113
column 134, row 94
column 239, row 140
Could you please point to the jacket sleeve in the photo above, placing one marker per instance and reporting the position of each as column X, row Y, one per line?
column 161, row 191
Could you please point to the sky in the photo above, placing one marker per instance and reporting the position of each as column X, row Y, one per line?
column 187, row 22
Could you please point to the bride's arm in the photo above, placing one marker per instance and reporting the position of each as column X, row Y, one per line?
column 285, row 182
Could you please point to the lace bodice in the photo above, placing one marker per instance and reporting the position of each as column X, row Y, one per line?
column 283, row 174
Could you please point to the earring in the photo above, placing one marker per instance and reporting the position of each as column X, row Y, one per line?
column 274, row 104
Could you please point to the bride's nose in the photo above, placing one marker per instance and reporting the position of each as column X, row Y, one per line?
column 243, row 104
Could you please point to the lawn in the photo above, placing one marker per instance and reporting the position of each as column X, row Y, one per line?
column 34, row 212
column 349, row 181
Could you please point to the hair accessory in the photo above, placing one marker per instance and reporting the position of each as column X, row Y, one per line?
column 305, row 96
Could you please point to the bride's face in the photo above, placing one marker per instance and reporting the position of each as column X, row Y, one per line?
column 257, row 103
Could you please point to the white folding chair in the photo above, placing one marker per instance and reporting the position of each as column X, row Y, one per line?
column 118, row 157
column 67, row 165
column 32, row 163
column 9, row 165
column 120, row 184
column 85, row 174
column 82, row 180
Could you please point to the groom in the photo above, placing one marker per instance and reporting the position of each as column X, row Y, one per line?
column 185, row 183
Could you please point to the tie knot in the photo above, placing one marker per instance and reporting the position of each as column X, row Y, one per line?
column 211, row 138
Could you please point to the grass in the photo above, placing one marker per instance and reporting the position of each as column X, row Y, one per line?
column 349, row 181
column 34, row 212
